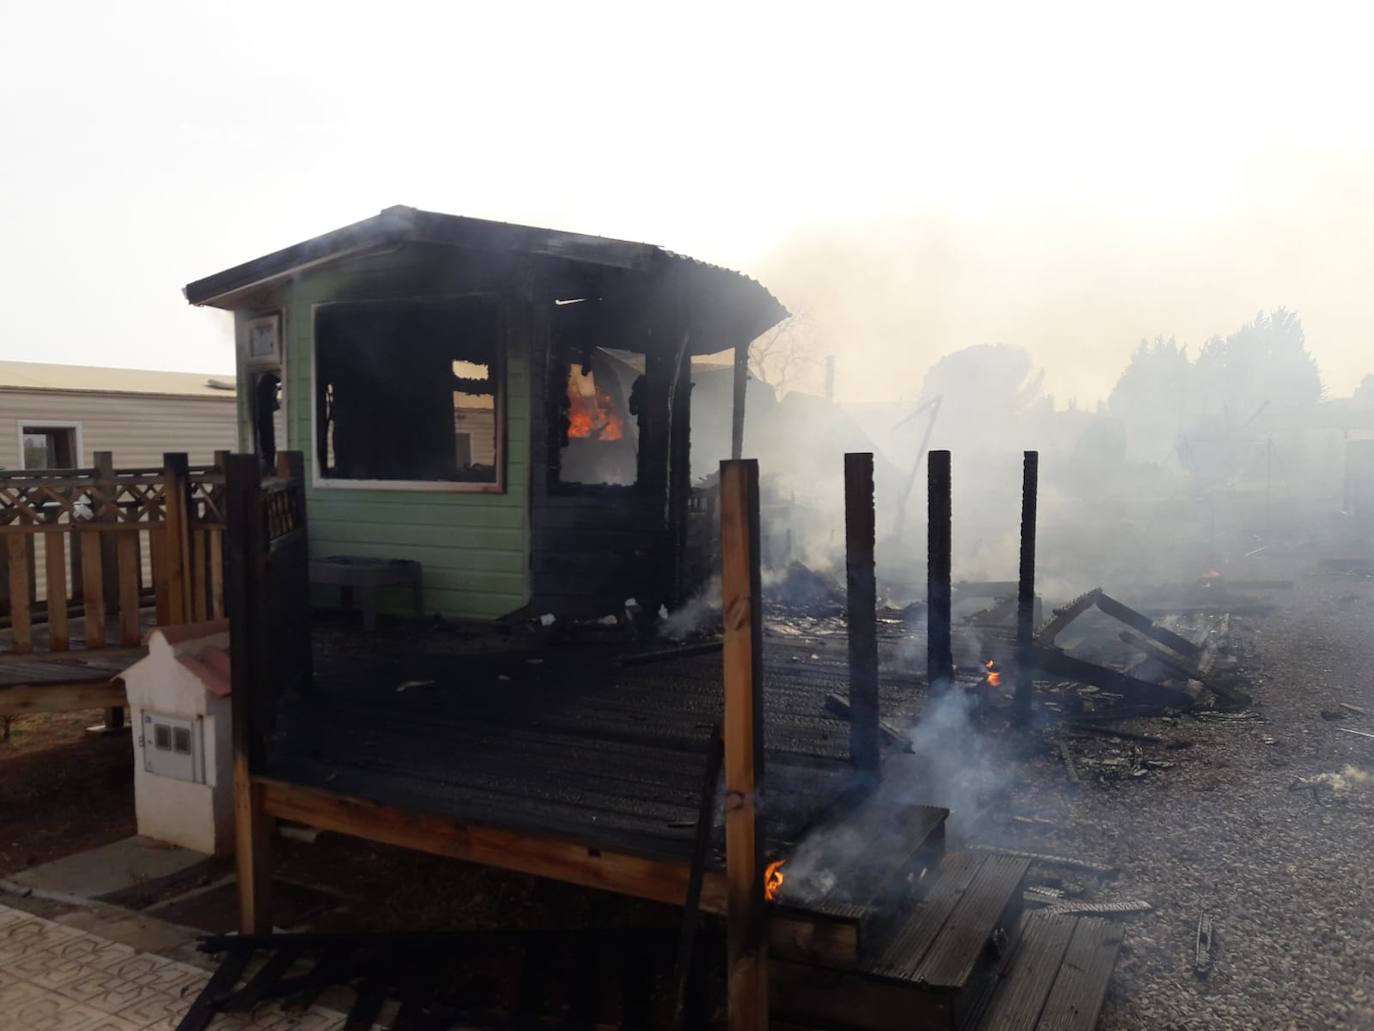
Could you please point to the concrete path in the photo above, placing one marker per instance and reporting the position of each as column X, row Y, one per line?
column 58, row 978
column 110, row 868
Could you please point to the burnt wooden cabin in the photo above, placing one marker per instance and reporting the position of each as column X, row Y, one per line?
column 507, row 406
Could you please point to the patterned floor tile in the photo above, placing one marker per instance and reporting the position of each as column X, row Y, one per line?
column 109, row 994
column 56, row 978
column 28, row 935
column 27, row 1007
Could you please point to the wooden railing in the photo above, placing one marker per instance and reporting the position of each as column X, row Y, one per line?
column 108, row 542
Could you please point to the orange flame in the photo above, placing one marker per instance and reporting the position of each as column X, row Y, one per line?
column 592, row 415
column 994, row 675
column 772, row 879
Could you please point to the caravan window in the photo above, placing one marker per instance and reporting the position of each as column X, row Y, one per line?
column 50, row 447
column 409, row 394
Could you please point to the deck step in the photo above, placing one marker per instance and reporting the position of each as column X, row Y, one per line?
column 868, row 870
column 1056, row 979
column 973, row 897
column 936, row 968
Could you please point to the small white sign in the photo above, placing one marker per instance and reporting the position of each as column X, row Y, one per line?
column 262, row 341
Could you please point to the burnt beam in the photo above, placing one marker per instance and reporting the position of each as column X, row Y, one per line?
column 1025, row 591
column 862, row 596
column 939, row 648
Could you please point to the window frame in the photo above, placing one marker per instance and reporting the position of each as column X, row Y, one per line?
column 28, row 426
column 498, row 372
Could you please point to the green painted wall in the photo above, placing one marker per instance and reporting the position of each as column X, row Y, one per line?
column 474, row 547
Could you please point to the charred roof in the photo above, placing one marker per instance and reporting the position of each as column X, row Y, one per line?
column 753, row 308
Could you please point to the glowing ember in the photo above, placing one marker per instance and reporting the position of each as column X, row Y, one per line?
column 994, row 675
column 772, row 879
column 591, row 414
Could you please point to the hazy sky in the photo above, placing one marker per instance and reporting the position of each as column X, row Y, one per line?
column 917, row 177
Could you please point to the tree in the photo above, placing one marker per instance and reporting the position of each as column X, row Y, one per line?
column 1157, row 382
column 1264, row 364
column 785, row 354
column 985, row 382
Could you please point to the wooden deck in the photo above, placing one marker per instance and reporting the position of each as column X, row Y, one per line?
column 82, row 678
column 565, row 742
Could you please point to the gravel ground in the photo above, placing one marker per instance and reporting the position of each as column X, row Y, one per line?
column 1285, row 873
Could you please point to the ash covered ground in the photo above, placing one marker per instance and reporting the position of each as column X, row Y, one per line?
column 1261, row 818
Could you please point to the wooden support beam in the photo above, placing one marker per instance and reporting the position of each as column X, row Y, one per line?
column 253, row 828
column 554, row 858
column 247, row 644
column 939, row 647
column 863, row 618
column 30, row 698
column 1025, row 590
column 741, row 385
column 701, row 849
column 741, row 597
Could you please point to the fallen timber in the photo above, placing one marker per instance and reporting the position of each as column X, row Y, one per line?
column 1180, row 658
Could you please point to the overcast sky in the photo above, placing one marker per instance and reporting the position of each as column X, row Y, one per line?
column 917, row 178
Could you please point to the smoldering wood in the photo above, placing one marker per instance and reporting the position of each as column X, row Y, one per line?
column 939, row 646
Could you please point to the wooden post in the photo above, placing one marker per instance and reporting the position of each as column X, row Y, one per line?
column 1025, row 590
column 247, row 638
column 55, row 562
column 20, row 545
column 92, row 589
column 939, row 649
column 863, row 620
column 741, row 597
column 176, row 555
column 737, row 412
column 126, row 550
column 105, row 495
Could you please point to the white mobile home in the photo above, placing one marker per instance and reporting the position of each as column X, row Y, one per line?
column 58, row 416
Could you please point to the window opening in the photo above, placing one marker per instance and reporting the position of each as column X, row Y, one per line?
column 50, row 447
column 600, row 435
column 408, row 392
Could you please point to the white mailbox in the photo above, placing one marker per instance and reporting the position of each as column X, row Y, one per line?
column 183, row 751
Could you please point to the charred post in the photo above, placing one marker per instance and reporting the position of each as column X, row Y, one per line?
column 939, row 649
column 1025, row 590
column 863, row 600
column 741, row 597
column 247, row 609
